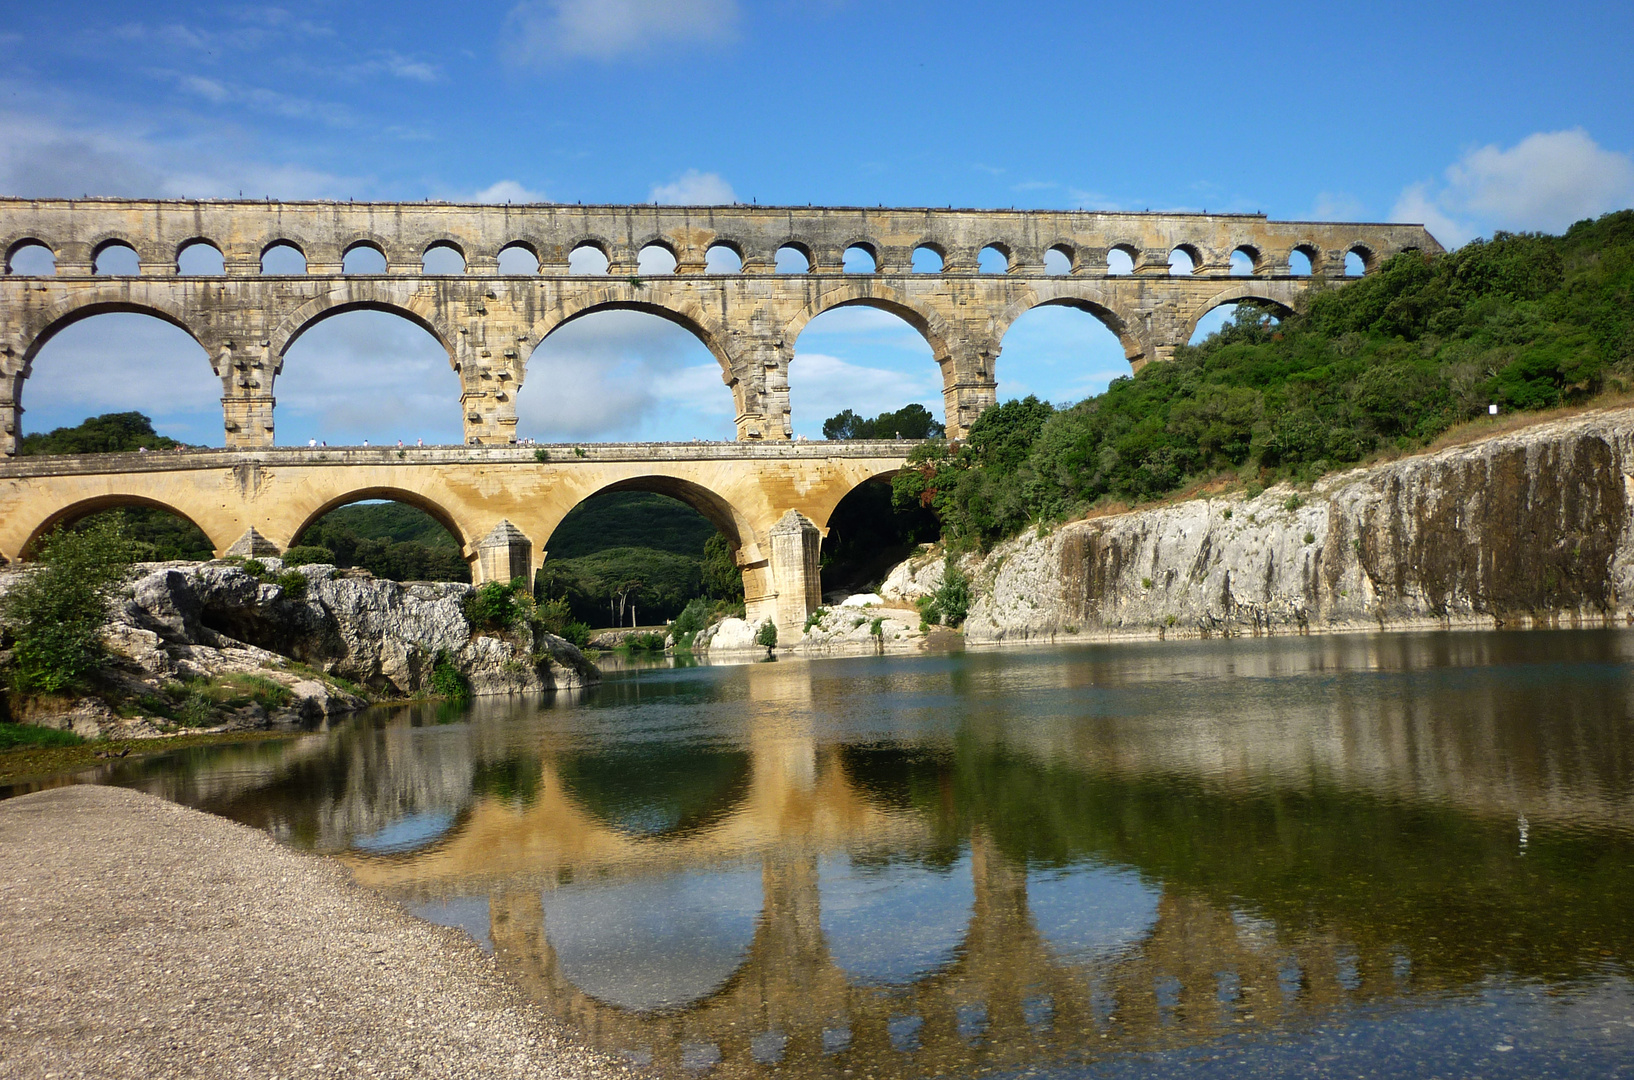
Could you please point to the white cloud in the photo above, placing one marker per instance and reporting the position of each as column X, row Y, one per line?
column 694, row 188
column 1545, row 182
column 541, row 30
column 508, row 191
column 821, row 386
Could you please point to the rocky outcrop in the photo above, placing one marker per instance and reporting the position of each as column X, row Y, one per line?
column 1527, row 528
column 385, row 635
column 850, row 628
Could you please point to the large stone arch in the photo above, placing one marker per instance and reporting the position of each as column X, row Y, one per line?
column 690, row 316
column 83, row 508
column 1248, row 290
column 1084, row 296
column 362, row 295
column 733, row 523
column 111, row 299
column 865, row 293
column 820, row 504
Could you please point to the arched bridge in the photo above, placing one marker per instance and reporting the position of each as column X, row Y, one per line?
column 771, row 501
column 490, row 321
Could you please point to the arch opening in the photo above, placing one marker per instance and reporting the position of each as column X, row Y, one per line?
column 155, row 531
column 442, row 260
column 1062, row 352
column 723, row 258
column 640, row 552
column 859, row 259
column 116, row 259
column 283, row 259
column 1234, row 312
column 1183, row 262
column 625, row 371
column 1058, row 261
column 588, row 259
column 30, row 258
column 518, row 260
column 391, row 534
column 1300, row 261
column 1359, row 260
column 928, row 259
column 863, row 358
column 363, row 257
column 655, row 259
column 367, row 373
column 1244, row 261
column 96, row 362
column 200, row 258
column 993, row 259
column 868, row 535
column 793, row 259
column 1120, row 261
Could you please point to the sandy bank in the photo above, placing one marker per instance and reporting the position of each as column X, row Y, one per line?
column 143, row 939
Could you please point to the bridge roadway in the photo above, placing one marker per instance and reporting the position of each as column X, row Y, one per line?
column 246, row 316
column 771, row 500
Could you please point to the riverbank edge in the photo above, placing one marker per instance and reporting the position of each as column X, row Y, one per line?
column 146, row 938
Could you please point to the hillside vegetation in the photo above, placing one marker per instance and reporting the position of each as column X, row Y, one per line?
column 1386, row 363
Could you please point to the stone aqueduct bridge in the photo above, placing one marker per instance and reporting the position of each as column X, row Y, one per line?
column 490, row 323
column 771, row 496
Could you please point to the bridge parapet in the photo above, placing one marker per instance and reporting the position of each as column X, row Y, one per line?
column 490, row 323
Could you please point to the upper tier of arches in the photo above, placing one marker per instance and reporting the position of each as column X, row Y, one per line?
column 441, row 240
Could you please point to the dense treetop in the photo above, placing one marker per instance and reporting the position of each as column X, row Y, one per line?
column 110, row 433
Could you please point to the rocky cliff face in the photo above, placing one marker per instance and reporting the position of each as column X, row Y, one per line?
column 1520, row 529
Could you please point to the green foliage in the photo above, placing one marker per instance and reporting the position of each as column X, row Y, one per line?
column 556, row 617
column 293, row 582
column 308, row 555
column 156, row 535
column 813, row 619
column 110, row 433
column 648, row 642
column 447, row 681
column 722, row 579
column 57, row 611
column 17, row 736
column 950, row 603
column 255, row 568
column 1384, row 363
column 767, row 635
column 659, row 583
column 909, row 422
column 493, row 605
column 541, row 455
column 868, row 533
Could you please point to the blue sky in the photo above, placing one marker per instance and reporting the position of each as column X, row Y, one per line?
column 1467, row 117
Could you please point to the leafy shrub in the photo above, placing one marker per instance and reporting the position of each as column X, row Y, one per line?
column 493, row 606
column 648, row 642
column 308, row 555
column 293, row 582
column 813, row 619
column 57, row 611
column 255, row 568
column 13, row 736
column 447, row 681
column 767, row 635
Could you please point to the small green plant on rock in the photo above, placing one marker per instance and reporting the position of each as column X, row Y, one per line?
column 57, row 611
column 308, row 555
column 447, row 681
column 813, row 619
column 767, row 636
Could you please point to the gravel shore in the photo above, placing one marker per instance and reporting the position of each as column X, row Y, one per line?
column 144, row 939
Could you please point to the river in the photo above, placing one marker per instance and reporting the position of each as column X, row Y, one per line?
column 1307, row 856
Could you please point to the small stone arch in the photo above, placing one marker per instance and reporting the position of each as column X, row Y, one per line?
column 370, row 242
column 25, row 242
column 359, row 297
column 278, row 242
column 1130, row 248
column 1256, row 256
column 106, row 241
column 1192, row 252
column 1366, row 253
column 466, row 537
column 591, row 240
column 440, row 243
column 803, row 247
column 1068, row 249
column 864, row 292
column 193, row 242
column 1246, row 291
column 84, row 508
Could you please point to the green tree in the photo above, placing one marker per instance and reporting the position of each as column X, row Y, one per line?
column 722, row 579
column 56, row 613
column 109, row 433
column 909, row 422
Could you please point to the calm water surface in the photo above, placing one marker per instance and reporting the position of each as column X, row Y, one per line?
column 1348, row 856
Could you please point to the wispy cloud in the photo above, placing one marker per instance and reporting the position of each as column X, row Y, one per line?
column 539, row 31
column 1545, row 182
column 694, row 188
column 508, row 191
column 1337, row 206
